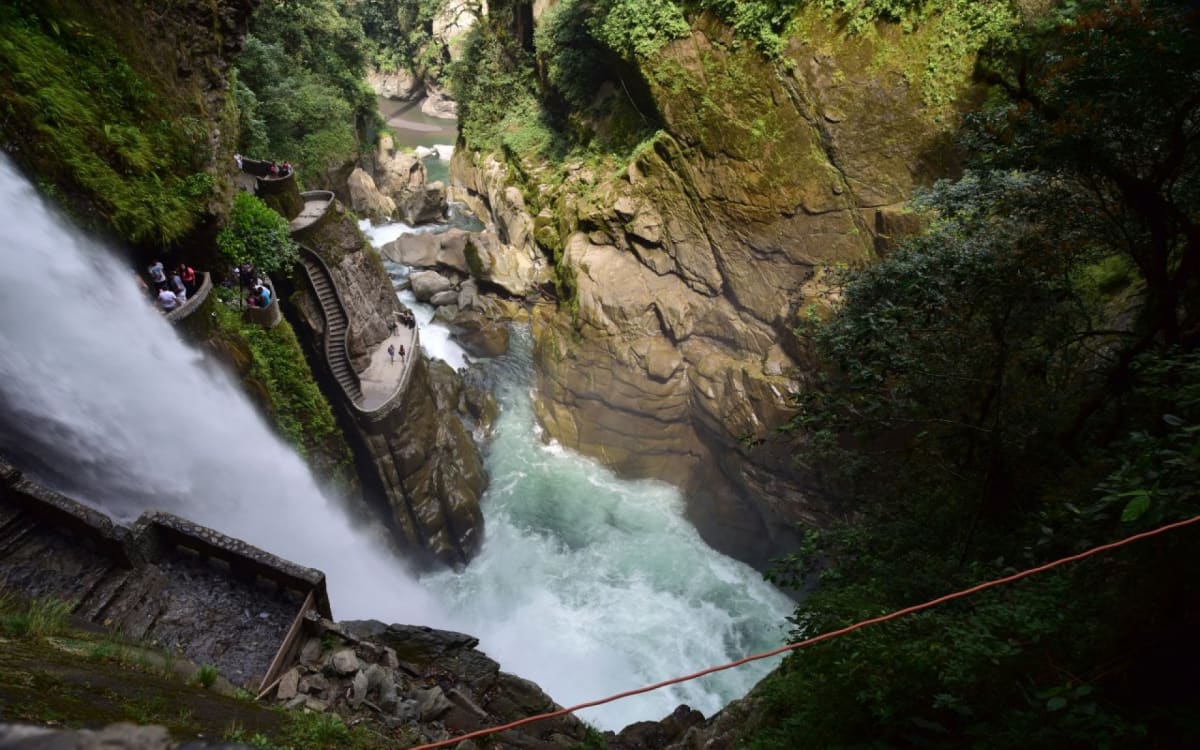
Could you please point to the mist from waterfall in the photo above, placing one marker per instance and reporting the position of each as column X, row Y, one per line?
column 100, row 399
column 586, row 583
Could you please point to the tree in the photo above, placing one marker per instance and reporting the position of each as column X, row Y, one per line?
column 1109, row 101
column 255, row 234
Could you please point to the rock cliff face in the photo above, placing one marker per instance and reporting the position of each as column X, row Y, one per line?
column 424, row 459
column 691, row 268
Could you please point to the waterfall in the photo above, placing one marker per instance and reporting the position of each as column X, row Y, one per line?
column 100, row 399
column 586, row 584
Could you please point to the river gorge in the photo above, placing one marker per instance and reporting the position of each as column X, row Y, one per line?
column 586, row 583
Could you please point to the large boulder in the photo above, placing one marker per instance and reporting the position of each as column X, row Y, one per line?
column 437, row 103
column 397, row 173
column 430, row 250
column 441, row 299
column 424, row 204
column 489, row 259
column 365, row 198
column 425, row 284
column 400, row 84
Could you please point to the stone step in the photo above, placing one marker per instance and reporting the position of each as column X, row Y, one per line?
column 89, row 584
column 99, row 596
column 139, row 603
column 15, row 533
column 8, row 513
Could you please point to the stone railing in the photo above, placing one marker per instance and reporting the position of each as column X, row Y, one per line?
column 157, row 535
column 194, row 302
column 314, row 215
column 278, row 192
column 91, row 528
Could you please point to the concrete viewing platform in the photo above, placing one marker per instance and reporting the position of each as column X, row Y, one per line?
column 383, row 379
column 316, row 203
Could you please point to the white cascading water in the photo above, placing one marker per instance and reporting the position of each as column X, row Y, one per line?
column 587, row 584
column 100, row 398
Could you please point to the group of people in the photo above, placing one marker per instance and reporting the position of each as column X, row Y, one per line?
column 406, row 319
column 171, row 290
column 274, row 170
column 258, row 292
column 260, row 296
column 392, row 352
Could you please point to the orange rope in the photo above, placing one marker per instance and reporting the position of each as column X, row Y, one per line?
column 816, row 639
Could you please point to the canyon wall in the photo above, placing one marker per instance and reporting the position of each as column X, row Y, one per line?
column 682, row 276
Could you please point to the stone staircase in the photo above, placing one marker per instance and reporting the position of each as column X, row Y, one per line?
column 336, row 323
column 43, row 562
column 211, row 598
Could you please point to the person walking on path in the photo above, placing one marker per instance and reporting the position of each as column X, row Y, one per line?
column 392, row 353
column 402, row 354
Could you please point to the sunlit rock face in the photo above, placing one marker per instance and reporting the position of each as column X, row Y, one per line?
column 690, row 269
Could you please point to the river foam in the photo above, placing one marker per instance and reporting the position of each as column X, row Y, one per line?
column 589, row 584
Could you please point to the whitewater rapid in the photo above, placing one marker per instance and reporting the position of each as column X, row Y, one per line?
column 586, row 583
column 589, row 584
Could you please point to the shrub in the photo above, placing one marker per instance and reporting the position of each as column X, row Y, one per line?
column 256, row 234
column 34, row 618
column 206, row 675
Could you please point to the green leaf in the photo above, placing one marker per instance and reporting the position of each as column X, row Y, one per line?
column 1135, row 507
column 1057, row 703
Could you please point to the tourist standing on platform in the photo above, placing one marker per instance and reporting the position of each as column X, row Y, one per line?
column 167, row 300
column 188, row 274
column 178, row 287
column 157, row 274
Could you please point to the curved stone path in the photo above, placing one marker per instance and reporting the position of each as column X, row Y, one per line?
column 384, row 378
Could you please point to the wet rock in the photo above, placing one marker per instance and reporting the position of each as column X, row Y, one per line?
column 314, row 684
column 344, row 661
column 468, row 295
column 431, row 703
column 366, row 199
column 430, row 250
column 288, row 685
column 441, row 299
column 424, row 204
column 358, row 689
column 479, row 336
column 425, row 284
column 401, row 84
column 649, row 735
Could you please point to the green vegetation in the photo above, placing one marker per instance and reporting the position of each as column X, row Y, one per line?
column 300, row 87
column 1017, row 384
column 314, row 731
column 80, row 111
column 273, row 367
column 206, row 675
column 400, row 35
column 33, row 618
column 258, row 235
